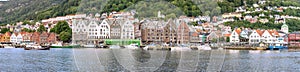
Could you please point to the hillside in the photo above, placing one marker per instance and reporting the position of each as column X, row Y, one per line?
column 20, row 10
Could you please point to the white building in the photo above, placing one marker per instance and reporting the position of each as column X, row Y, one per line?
column 268, row 36
column 255, row 36
column 104, row 29
column 127, row 30
column 13, row 38
column 19, row 38
column 285, row 28
column 234, row 37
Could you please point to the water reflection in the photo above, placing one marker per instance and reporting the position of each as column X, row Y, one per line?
column 112, row 60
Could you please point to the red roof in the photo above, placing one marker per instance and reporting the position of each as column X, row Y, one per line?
column 260, row 32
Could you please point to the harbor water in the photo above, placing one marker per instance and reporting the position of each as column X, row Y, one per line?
column 127, row 60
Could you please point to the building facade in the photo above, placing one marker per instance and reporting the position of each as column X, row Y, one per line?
column 115, row 30
column 183, row 33
column 127, row 30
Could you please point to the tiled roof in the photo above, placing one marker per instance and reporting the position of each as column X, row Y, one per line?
column 260, row 32
column 238, row 31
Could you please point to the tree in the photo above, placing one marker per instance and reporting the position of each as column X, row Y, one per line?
column 4, row 30
column 60, row 27
column 65, row 36
column 41, row 29
column 63, row 29
column 227, row 39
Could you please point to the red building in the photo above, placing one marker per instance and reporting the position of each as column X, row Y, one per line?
column 294, row 39
column 52, row 38
column 44, row 38
column 36, row 37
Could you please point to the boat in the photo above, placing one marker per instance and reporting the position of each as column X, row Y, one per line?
column 150, row 46
column 68, row 46
column 59, row 45
column 204, row 47
column 114, row 47
column 181, row 48
column 89, row 46
column 102, row 46
column 277, row 46
column 37, row 47
column 7, row 45
column 132, row 46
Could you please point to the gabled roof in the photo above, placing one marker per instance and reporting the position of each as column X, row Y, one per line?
column 8, row 34
column 260, row 32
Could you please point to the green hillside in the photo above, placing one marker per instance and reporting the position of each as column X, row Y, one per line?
column 20, row 10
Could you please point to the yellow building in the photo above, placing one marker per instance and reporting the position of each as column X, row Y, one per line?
column 6, row 37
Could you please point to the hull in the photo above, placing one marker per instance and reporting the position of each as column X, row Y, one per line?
column 43, row 48
column 8, row 47
column 89, row 46
column 277, row 47
column 74, row 46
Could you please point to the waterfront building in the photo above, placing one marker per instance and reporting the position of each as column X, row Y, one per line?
column 152, row 31
column 127, row 30
column 269, row 36
column 170, row 32
column 294, row 39
column 255, row 36
column 1, row 37
column 89, row 31
column 6, row 37
column 115, row 29
column 44, row 38
column 13, row 37
column 36, row 37
column 137, row 30
column 183, row 33
column 20, row 37
column 27, row 36
column 79, row 31
column 234, row 36
column 52, row 38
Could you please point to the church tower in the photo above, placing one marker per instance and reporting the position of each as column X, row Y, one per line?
column 285, row 28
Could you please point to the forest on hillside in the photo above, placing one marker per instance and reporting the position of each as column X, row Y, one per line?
column 21, row 10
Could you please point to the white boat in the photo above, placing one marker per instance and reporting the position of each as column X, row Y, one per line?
column 56, row 44
column 8, row 46
column 204, row 47
column 132, row 46
column 180, row 49
column 114, row 47
column 89, row 46
column 33, row 46
column 149, row 46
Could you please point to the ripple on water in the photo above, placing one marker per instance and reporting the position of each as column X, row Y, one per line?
column 16, row 60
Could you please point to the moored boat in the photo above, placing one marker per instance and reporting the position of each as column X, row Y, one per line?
column 89, row 46
column 181, row 48
column 132, row 46
column 277, row 46
column 36, row 47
